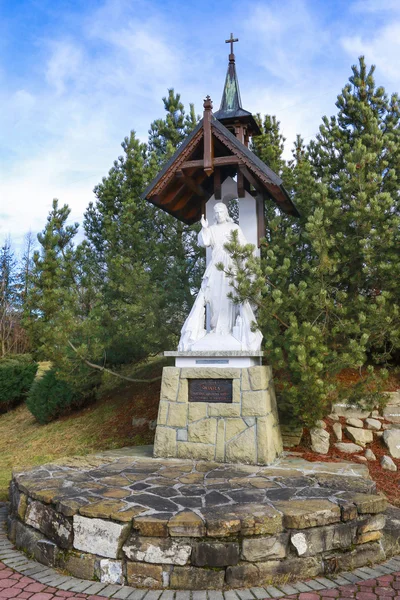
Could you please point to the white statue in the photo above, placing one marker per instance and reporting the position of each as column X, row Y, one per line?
column 229, row 325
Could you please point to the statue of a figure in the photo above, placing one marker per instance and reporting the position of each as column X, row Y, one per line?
column 229, row 325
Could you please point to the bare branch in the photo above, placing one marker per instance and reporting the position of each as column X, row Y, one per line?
column 99, row 368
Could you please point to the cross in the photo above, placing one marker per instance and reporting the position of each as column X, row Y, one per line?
column 231, row 41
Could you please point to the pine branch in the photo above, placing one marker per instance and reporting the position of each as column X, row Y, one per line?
column 99, row 368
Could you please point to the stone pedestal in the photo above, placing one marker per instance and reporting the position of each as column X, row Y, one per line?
column 245, row 430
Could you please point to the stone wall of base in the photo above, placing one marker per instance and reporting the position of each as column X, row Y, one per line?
column 247, row 545
column 244, row 431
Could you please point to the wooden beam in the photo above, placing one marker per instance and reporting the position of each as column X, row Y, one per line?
column 260, row 218
column 207, row 137
column 217, row 183
column 251, row 178
column 193, row 185
column 173, row 196
column 219, row 161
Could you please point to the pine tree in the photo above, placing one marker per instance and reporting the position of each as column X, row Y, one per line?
column 50, row 308
column 325, row 285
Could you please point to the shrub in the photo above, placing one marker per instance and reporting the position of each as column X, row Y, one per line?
column 50, row 397
column 16, row 376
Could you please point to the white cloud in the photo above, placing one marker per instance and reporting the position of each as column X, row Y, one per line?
column 62, row 132
column 64, row 65
column 107, row 72
column 381, row 49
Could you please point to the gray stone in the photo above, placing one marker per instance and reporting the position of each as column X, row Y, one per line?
column 194, row 578
column 263, row 548
column 144, row 575
column 32, row 542
column 391, row 437
column 321, row 539
column 171, row 551
column 215, row 554
column 348, row 448
column 320, row 424
column 182, row 435
column 369, row 455
column 300, row 514
column 364, row 554
column 373, row 424
column 391, row 532
column 388, row 464
column 360, row 436
column 337, row 430
column 110, row 571
column 80, row 565
column 374, row 523
column 98, row 536
column 353, row 422
column 319, row 440
column 53, row 525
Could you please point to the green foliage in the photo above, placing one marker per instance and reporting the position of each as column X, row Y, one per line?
column 326, row 286
column 16, row 376
column 49, row 397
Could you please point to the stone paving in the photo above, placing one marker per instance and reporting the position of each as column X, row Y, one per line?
column 122, row 486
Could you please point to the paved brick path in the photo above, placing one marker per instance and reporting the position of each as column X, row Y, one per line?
column 23, row 578
column 17, row 585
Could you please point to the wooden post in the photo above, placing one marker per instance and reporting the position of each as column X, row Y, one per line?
column 240, row 183
column 217, row 183
column 260, row 218
column 208, row 142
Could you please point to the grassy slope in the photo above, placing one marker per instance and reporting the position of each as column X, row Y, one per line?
column 103, row 425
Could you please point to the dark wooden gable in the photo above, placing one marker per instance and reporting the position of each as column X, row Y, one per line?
column 209, row 155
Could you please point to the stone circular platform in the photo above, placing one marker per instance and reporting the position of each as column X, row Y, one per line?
column 162, row 523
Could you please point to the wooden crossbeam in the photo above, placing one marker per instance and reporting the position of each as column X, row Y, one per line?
column 251, row 178
column 219, row 161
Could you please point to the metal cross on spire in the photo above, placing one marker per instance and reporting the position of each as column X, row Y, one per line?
column 231, row 41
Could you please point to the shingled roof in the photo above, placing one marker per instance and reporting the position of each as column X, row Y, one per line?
column 182, row 187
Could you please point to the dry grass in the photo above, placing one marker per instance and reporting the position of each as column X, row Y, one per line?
column 103, row 425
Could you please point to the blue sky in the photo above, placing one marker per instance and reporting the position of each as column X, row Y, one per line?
column 77, row 75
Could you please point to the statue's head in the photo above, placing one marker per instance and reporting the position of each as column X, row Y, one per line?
column 221, row 213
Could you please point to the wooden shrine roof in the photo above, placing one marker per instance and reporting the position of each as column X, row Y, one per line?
column 189, row 179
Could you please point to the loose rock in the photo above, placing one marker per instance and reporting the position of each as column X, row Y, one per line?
column 353, row 422
column 319, row 440
column 333, row 417
column 348, row 448
column 337, row 430
column 369, row 455
column 391, row 437
column 388, row 464
column 360, row 436
column 373, row 424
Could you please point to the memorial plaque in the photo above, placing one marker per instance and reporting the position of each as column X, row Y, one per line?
column 210, row 390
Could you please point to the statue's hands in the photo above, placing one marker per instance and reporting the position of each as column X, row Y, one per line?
column 204, row 222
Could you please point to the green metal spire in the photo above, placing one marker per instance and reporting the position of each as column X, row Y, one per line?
column 231, row 101
column 231, row 111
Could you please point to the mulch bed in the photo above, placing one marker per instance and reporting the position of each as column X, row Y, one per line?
column 387, row 482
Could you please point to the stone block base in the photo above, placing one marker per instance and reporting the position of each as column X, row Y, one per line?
column 244, row 431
